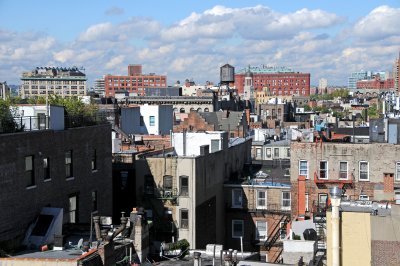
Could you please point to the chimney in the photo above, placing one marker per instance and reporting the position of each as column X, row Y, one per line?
column 96, row 221
column 204, row 149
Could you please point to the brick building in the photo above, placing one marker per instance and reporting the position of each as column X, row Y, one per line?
column 233, row 122
column 135, row 83
column 365, row 172
column 258, row 211
column 376, row 84
column 278, row 80
column 69, row 169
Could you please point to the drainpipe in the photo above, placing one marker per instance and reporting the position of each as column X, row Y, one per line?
column 336, row 194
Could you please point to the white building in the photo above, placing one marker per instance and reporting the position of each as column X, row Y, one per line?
column 190, row 143
column 147, row 119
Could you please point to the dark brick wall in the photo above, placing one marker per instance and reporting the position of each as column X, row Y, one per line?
column 19, row 205
column 385, row 253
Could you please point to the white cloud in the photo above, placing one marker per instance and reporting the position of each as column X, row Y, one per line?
column 115, row 61
column 381, row 23
column 96, row 32
column 64, row 55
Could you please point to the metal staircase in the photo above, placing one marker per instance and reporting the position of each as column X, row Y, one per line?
column 275, row 235
column 319, row 217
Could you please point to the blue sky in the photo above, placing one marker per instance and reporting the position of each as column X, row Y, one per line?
column 191, row 39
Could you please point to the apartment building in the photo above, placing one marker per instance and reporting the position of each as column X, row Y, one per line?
column 134, row 83
column 60, row 81
column 364, row 171
column 257, row 213
column 280, row 81
column 58, row 168
column 182, row 188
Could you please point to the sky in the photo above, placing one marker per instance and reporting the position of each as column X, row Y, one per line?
column 191, row 39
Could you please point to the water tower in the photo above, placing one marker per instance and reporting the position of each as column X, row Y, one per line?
column 227, row 75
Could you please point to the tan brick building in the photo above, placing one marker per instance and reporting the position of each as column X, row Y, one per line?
column 364, row 171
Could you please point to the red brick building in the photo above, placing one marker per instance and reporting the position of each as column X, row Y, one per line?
column 376, row 84
column 279, row 81
column 135, row 82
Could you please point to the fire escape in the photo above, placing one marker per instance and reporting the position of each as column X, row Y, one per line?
column 276, row 234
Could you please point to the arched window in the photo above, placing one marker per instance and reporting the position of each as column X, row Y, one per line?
column 206, row 109
column 182, row 110
column 199, row 110
column 191, row 109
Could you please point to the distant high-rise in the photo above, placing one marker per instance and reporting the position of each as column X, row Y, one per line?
column 322, row 84
column 43, row 81
column 98, row 86
column 4, row 90
column 364, row 75
column 135, row 83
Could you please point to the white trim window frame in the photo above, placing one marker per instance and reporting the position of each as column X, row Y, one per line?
column 261, row 199
column 397, row 171
column 237, row 198
column 235, row 225
column 261, row 230
column 363, row 170
column 323, row 170
column 343, row 173
column 286, row 201
column 303, row 170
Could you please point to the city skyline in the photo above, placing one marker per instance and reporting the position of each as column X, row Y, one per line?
column 192, row 39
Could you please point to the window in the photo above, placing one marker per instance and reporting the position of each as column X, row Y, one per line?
column 323, row 170
column 236, row 198
column 148, row 185
column 184, row 218
column 152, row 120
column 363, row 197
column 237, row 228
column 167, row 184
column 94, row 200
column 282, row 228
column 29, row 171
column 73, row 209
column 364, row 171
column 261, row 199
column 261, row 230
column 285, row 200
column 141, row 121
column 68, row 164
column 343, row 166
column 398, row 171
column 94, row 160
column 322, row 200
column 258, row 153
column 287, row 152
column 184, row 181
column 268, row 152
column 46, row 168
column 303, row 168
column 276, row 152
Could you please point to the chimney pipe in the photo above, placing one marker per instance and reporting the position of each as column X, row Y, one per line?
column 335, row 193
column 96, row 220
column 124, row 221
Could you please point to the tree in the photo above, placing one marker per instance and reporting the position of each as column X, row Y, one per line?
column 307, row 108
column 373, row 111
column 7, row 113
